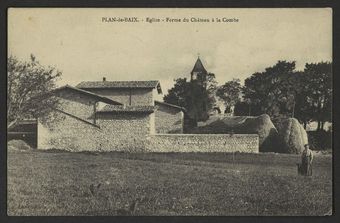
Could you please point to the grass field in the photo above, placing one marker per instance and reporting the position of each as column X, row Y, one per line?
column 62, row 183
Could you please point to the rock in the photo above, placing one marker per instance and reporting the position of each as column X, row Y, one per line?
column 264, row 127
column 17, row 145
column 293, row 136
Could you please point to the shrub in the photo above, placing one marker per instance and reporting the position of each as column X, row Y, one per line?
column 320, row 140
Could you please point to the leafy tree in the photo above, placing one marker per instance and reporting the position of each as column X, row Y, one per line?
column 211, row 87
column 242, row 108
column 179, row 93
column 302, row 109
column 282, row 91
column 196, row 96
column 318, row 92
column 230, row 92
column 29, row 84
column 273, row 91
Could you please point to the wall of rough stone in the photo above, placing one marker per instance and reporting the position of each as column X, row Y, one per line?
column 132, row 132
column 67, row 133
column 138, row 96
column 168, row 119
column 77, row 104
column 203, row 143
column 125, row 131
column 114, row 132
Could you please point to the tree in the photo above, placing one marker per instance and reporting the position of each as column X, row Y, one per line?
column 196, row 96
column 273, row 91
column 242, row 108
column 230, row 92
column 29, row 85
column 318, row 91
column 179, row 93
column 282, row 91
column 211, row 87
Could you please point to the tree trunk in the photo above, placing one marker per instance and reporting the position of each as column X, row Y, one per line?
column 319, row 125
column 304, row 124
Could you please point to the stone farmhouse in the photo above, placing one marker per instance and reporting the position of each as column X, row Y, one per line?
column 106, row 114
column 124, row 116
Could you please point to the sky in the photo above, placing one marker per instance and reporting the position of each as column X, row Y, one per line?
column 85, row 47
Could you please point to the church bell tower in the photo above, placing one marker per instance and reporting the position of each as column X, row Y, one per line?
column 198, row 72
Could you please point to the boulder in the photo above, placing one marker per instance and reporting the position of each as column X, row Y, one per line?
column 293, row 136
column 17, row 145
column 264, row 127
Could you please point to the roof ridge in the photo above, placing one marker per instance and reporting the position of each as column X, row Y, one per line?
column 154, row 84
column 103, row 98
column 171, row 105
column 129, row 108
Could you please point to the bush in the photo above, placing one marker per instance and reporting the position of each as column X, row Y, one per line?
column 320, row 140
column 241, row 109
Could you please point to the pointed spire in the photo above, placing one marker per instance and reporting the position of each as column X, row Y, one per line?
column 198, row 67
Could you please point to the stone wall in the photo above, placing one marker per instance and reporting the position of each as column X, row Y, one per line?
column 125, row 131
column 77, row 104
column 133, row 132
column 203, row 143
column 138, row 96
column 67, row 133
column 72, row 127
column 113, row 132
column 168, row 119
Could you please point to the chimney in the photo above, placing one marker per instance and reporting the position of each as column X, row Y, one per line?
column 104, row 78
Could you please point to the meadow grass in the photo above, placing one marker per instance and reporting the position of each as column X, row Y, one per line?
column 63, row 183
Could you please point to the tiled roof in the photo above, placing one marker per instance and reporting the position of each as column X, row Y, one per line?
column 170, row 105
column 123, row 109
column 198, row 67
column 93, row 95
column 120, row 84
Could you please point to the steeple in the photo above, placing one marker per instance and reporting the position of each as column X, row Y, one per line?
column 198, row 69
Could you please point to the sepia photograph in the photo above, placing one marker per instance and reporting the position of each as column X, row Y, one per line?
column 169, row 112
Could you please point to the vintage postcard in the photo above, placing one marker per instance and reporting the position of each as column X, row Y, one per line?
column 169, row 112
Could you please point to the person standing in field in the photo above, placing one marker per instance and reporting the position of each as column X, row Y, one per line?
column 307, row 159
